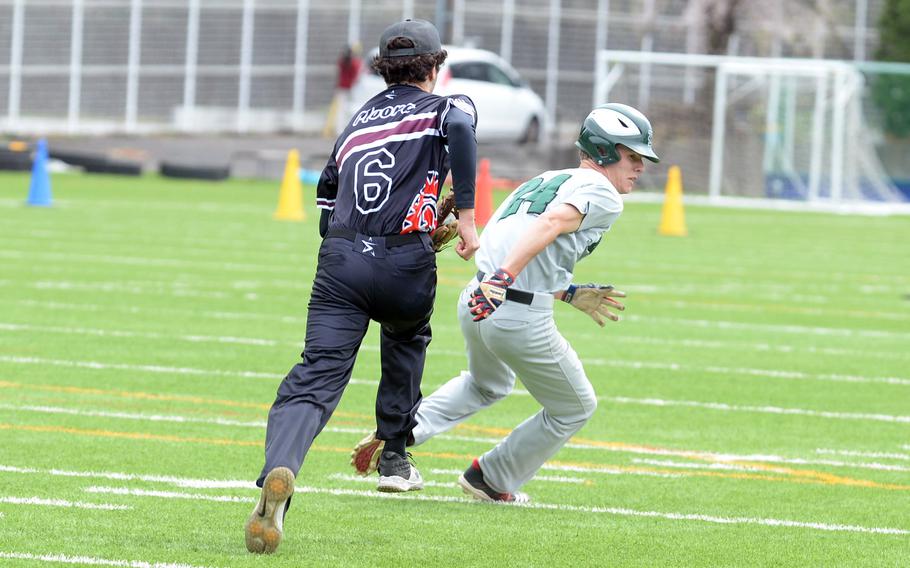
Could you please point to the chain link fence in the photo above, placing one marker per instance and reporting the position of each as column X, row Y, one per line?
column 88, row 66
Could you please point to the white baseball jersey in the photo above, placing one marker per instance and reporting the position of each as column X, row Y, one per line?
column 551, row 270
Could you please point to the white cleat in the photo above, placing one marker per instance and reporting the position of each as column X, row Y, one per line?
column 397, row 474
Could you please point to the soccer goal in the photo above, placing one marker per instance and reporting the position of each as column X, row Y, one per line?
column 785, row 131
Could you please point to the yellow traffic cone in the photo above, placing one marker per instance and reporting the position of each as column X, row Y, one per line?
column 290, row 199
column 672, row 218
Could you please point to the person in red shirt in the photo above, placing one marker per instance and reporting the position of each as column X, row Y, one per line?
column 349, row 66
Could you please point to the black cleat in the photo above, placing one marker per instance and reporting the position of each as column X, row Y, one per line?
column 472, row 483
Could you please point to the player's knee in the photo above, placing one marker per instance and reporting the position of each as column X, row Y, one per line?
column 490, row 395
column 490, row 391
column 576, row 415
column 589, row 406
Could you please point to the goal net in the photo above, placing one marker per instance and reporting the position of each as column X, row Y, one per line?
column 792, row 130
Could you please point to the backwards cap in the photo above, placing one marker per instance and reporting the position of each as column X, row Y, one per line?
column 424, row 35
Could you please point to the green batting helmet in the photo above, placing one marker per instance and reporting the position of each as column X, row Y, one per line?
column 611, row 124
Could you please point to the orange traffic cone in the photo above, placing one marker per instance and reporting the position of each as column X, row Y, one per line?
column 290, row 198
column 483, row 194
column 672, row 217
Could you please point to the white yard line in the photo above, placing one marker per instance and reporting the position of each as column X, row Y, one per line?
column 455, row 472
column 180, row 244
column 659, row 297
column 769, row 373
column 37, row 256
column 91, row 560
column 372, row 480
column 716, row 466
column 170, row 494
column 771, row 328
column 145, row 368
column 61, row 503
column 619, row 511
column 776, row 459
column 604, row 469
column 637, row 339
column 187, row 482
column 129, row 288
column 261, row 424
column 610, row 470
column 756, row 346
column 546, row 478
column 743, row 268
column 214, row 314
column 202, row 206
column 720, row 406
column 12, row 327
column 783, row 292
column 682, row 322
column 859, row 454
column 760, row 409
column 638, row 365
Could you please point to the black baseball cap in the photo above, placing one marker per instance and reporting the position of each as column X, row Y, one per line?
column 424, row 35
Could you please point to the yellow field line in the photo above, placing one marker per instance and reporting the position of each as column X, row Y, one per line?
column 156, row 396
column 127, row 435
column 833, row 480
column 818, row 476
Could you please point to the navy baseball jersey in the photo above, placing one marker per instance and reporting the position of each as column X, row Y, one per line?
column 384, row 173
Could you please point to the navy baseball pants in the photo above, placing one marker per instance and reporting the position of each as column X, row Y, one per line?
column 358, row 279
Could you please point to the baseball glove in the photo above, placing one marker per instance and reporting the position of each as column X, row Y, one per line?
column 446, row 222
column 596, row 300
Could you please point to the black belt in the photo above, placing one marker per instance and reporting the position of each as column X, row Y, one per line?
column 390, row 240
column 512, row 294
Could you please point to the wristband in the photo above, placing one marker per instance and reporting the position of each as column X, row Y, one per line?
column 569, row 293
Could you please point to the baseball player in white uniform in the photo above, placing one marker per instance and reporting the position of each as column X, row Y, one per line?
column 525, row 263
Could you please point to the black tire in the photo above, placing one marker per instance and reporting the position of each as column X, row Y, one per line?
column 15, row 161
column 114, row 167
column 183, row 171
column 532, row 132
column 80, row 159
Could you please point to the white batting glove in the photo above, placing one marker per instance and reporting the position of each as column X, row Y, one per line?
column 596, row 300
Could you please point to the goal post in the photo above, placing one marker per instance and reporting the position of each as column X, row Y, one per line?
column 763, row 128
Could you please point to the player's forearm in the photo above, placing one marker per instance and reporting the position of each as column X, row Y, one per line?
column 463, row 158
column 538, row 236
column 466, row 217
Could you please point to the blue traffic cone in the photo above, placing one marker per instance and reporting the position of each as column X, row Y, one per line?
column 39, row 192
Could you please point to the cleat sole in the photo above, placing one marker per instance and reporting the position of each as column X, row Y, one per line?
column 263, row 530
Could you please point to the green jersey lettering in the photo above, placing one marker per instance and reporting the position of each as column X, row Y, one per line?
column 537, row 193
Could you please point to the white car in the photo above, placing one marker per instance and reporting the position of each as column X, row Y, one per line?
column 507, row 108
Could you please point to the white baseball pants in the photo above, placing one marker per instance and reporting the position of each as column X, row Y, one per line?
column 521, row 340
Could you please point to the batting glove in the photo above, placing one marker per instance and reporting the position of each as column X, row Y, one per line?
column 490, row 294
column 596, row 300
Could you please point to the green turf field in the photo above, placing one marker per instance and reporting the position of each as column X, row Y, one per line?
column 754, row 401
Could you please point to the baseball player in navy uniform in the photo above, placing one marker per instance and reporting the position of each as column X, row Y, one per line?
column 527, row 255
column 377, row 195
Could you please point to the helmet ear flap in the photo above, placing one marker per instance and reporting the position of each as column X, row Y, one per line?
column 598, row 147
column 606, row 154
